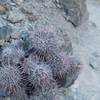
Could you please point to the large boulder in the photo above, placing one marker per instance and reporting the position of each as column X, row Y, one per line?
column 75, row 10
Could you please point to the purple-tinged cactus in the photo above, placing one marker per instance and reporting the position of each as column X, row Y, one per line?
column 37, row 71
column 73, row 71
column 40, row 74
column 65, row 70
column 11, row 55
column 10, row 83
column 69, row 68
column 40, row 54
column 46, row 94
column 41, row 77
column 46, row 51
column 44, row 40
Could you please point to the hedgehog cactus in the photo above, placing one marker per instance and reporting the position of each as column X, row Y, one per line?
column 11, row 55
column 10, row 83
column 43, row 82
column 40, row 75
column 36, row 71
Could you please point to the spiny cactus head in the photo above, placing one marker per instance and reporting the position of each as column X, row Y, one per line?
column 43, row 94
column 65, row 70
column 11, row 55
column 73, row 71
column 40, row 74
column 46, row 94
column 10, row 82
column 58, row 67
column 44, row 40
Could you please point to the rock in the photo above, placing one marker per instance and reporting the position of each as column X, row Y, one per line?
column 5, row 32
column 75, row 10
column 3, row 9
column 18, row 2
column 31, row 17
column 75, row 94
column 15, row 16
column 2, row 22
column 3, row 1
column 94, row 61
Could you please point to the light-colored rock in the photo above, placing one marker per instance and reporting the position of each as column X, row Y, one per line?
column 75, row 10
column 5, row 32
column 3, row 9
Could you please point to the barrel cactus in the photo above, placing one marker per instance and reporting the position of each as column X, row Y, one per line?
column 36, row 72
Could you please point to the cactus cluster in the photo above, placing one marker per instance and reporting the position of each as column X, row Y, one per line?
column 31, row 68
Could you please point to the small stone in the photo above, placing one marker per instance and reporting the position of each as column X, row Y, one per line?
column 3, row 9
column 75, row 11
column 15, row 16
column 5, row 32
column 18, row 2
column 31, row 17
column 3, row 1
column 94, row 62
column 8, row 98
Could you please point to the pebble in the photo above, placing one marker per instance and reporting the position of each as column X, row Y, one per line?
column 3, row 9
column 5, row 32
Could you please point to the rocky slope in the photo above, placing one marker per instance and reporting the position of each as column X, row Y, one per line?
column 62, row 18
column 86, row 43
